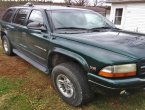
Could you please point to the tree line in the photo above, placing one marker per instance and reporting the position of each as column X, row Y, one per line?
column 68, row 2
column 80, row 2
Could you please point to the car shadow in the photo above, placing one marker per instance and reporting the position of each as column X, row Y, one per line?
column 135, row 101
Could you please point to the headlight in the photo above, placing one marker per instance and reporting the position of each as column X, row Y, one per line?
column 118, row 71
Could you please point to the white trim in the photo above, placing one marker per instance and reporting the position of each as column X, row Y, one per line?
column 113, row 11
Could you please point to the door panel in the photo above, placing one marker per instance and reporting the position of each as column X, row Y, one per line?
column 18, row 38
column 19, row 28
column 37, row 40
column 38, row 46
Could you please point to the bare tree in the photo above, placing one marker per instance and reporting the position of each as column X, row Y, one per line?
column 68, row 2
column 95, row 2
column 81, row 2
column 101, row 2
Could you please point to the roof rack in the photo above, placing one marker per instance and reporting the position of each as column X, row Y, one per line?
column 29, row 4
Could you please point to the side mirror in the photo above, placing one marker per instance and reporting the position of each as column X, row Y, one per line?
column 36, row 26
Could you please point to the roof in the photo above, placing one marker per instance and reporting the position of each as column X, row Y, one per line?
column 49, row 7
column 101, row 10
column 125, row 1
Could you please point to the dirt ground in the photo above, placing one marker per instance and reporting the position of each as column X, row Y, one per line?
column 21, row 80
column 23, row 87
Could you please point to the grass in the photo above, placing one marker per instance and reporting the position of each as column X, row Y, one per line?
column 23, row 87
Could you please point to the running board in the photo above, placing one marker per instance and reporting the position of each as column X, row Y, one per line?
column 34, row 63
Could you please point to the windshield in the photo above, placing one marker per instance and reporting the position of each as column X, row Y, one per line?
column 71, row 19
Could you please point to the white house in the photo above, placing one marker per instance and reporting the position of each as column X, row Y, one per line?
column 128, row 14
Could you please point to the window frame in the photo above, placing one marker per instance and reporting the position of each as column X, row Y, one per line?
column 49, row 20
column 46, row 21
column 118, row 16
column 10, row 20
column 30, row 15
column 14, row 17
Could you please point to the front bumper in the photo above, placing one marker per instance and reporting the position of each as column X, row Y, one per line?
column 115, row 86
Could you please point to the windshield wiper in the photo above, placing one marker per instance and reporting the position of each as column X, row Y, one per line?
column 72, row 28
column 99, row 28
column 86, row 29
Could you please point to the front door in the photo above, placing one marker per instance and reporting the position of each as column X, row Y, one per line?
column 37, row 40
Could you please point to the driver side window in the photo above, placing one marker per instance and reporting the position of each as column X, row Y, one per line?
column 36, row 16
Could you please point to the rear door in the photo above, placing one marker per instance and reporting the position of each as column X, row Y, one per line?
column 19, row 24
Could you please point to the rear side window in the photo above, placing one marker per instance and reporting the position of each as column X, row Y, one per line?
column 8, row 15
column 21, row 16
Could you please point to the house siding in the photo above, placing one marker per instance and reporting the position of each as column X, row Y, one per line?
column 133, row 16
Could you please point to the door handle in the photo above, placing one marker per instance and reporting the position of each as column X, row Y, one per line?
column 44, row 36
column 9, row 27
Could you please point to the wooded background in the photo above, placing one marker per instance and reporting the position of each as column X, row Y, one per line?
column 9, row 3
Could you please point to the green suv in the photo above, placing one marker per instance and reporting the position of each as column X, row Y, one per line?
column 81, row 50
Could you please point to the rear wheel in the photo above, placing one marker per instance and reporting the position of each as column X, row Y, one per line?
column 71, row 84
column 7, row 48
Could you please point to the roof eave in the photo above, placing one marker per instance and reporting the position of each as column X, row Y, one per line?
column 120, row 2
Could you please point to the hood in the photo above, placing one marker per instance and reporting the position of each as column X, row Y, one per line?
column 122, row 42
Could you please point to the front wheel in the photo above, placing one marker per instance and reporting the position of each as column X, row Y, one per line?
column 71, row 84
column 7, row 48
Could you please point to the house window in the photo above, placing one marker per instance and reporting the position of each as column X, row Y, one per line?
column 118, row 16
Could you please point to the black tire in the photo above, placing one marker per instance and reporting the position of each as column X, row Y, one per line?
column 5, row 42
column 82, row 93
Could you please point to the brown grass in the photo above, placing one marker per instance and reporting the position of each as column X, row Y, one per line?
column 23, row 87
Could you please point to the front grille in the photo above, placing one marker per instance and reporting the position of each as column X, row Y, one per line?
column 142, row 68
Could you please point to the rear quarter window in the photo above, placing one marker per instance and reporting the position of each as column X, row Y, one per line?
column 8, row 15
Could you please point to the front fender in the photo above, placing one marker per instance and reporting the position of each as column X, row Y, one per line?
column 72, row 55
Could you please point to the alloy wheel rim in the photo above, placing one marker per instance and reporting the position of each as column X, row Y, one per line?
column 65, row 86
column 5, row 46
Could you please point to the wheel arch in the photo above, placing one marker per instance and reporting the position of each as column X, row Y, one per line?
column 62, row 55
column 3, row 33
